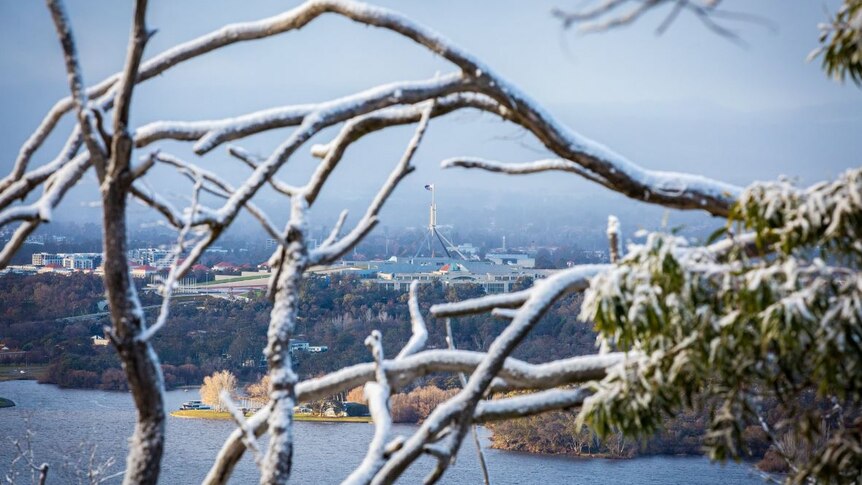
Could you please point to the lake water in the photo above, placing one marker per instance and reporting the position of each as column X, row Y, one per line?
column 68, row 424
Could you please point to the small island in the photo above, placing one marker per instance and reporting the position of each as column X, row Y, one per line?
column 218, row 415
column 333, row 410
column 6, row 403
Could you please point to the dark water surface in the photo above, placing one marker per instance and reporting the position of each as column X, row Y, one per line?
column 68, row 424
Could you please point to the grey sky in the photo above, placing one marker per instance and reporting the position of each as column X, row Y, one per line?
column 688, row 100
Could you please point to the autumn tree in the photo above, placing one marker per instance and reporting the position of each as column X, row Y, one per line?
column 259, row 391
column 213, row 387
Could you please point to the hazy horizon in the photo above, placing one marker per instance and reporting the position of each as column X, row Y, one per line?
column 688, row 100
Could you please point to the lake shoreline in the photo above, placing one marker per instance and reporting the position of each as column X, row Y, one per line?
column 325, row 452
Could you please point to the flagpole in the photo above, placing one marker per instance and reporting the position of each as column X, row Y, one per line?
column 433, row 208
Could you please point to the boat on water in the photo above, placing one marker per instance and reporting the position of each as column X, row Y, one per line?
column 194, row 405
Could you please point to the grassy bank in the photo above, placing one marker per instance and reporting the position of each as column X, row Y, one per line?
column 200, row 414
column 14, row 372
column 212, row 414
column 262, row 276
column 6, row 403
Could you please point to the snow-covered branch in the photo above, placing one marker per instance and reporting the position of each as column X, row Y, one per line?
column 482, row 304
column 537, row 166
column 59, row 183
column 456, row 414
column 529, row 404
column 450, row 342
column 420, row 333
column 174, row 271
column 377, row 392
column 225, row 190
column 514, row 375
column 26, row 183
column 211, row 133
column 674, row 190
column 661, row 187
column 240, row 154
column 328, row 254
column 96, row 146
column 42, row 209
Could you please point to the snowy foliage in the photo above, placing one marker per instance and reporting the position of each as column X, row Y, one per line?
column 841, row 43
column 735, row 330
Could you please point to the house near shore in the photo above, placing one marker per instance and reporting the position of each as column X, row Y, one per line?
column 99, row 341
column 225, row 266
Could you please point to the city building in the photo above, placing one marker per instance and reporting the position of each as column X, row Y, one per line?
column 397, row 273
column 73, row 261
column 518, row 259
column 44, row 259
column 159, row 258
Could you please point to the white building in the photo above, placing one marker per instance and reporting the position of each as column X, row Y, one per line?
column 158, row 258
column 44, row 259
column 82, row 260
column 514, row 259
column 398, row 273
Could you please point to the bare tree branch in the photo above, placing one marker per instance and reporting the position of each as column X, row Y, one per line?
column 420, row 333
column 481, row 304
column 248, row 159
column 523, row 168
column 529, row 404
column 377, row 393
column 98, row 153
column 620, row 173
column 472, row 86
column 486, row 478
column 173, row 273
column 226, row 191
column 457, row 412
column 609, row 14
column 25, row 183
column 328, row 254
column 514, row 374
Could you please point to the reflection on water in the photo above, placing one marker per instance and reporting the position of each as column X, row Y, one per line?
column 69, row 423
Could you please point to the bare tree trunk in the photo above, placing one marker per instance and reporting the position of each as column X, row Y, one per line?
column 278, row 459
column 138, row 358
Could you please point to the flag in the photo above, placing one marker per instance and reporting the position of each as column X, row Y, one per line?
column 429, row 187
